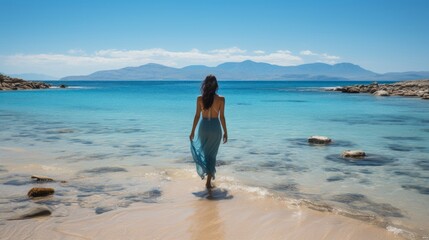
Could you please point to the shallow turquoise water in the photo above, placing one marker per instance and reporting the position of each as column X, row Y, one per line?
column 97, row 124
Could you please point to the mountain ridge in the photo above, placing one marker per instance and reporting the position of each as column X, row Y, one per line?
column 248, row 70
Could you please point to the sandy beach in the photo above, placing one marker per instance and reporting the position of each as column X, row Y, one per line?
column 185, row 210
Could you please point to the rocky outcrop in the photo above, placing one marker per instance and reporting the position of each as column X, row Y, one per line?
column 416, row 88
column 319, row 140
column 9, row 83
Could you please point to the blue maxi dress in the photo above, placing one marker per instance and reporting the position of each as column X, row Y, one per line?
column 205, row 147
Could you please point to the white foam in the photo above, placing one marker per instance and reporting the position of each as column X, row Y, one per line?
column 394, row 230
column 262, row 192
column 330, row 88
column 398, row 231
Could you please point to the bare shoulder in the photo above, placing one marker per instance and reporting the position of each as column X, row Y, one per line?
column 221, row 98
column 199, row 98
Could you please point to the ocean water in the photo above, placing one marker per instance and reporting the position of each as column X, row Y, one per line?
column 94, row 128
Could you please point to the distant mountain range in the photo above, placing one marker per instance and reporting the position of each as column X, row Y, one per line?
column 249, row 70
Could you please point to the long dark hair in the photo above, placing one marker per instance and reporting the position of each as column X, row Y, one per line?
column 208, row 90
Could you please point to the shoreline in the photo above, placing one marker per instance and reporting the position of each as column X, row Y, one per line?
column 186, row 210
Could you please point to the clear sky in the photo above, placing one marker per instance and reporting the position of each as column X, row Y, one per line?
column 67, row 37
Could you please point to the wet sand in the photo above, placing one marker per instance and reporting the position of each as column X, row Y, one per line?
column 187, row 211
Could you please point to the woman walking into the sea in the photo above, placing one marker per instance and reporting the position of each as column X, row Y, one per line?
column 204, row 149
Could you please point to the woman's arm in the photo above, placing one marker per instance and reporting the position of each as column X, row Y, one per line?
column 196, row 118
column 222, row 120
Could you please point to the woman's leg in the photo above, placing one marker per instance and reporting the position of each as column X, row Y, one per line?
column 208, row 183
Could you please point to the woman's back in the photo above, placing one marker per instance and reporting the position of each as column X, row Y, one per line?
column 213, row 111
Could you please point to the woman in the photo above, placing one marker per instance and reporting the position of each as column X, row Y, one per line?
column 204, row 149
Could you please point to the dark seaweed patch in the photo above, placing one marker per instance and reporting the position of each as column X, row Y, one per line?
column 135, row 146
column 361, row 202
column 15, row 179
column 420, row 189
column 366, row 171
column 96, row 156
column 332, row 169
column 221, row 163
column 86, row 142
column 298, row 141
column 60, row 131
column 407, row 173
column 369, row 160
column 246, row 168
column 399, row 148
column 105, row 170
column 364, row 181
column 130, row 130
column 53, row 138
column 17, row 182
column 282, row 166
column 99, row 188
column 185, row 160
column 401, row 138
column 341, row 143
column 146, row 197
column 335, row 178
column 375, row 119
column 100, row 210
column 423, row 164
column 286, row 187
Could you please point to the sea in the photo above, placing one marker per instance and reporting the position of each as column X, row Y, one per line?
column 94, row 127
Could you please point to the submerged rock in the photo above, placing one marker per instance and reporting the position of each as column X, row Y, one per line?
column 319, row 140
column 40, row 192
column 353, row 154
column 42, row 178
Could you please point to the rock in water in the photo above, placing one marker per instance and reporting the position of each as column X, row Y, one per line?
column 319, row 140
column 40, row 192
column 32, row 213
column 353, row 154
column 42, row 178
column 381, row 93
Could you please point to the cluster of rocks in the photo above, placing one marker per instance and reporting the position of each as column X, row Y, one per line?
column 322, row 140
column 9, row 83
column 416, row 88
column 39, row 191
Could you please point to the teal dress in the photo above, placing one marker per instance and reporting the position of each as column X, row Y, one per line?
column 205, row 147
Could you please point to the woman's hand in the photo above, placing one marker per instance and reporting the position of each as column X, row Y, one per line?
column 191, row 137
column 225, row 137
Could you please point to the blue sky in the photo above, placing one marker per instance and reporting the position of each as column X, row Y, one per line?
column 80, row 36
